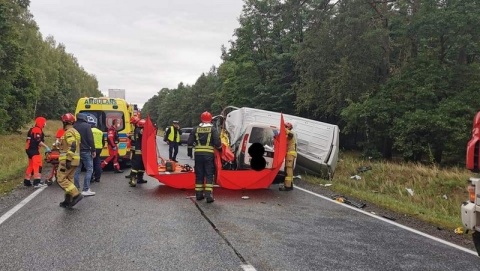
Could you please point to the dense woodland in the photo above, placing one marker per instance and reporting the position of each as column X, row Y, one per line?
column 401, row 78
column 37, row 76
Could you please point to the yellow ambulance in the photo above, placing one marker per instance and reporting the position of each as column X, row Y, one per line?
column 106, row 110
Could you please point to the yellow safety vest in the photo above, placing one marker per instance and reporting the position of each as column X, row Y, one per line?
column 171, row 136
column 207, row 147
column 97, row 138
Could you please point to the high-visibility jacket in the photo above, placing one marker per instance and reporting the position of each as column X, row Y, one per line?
column 205, row 138
column 174, row 134
column 70, row 146
column 97, row 138
column 291, row 143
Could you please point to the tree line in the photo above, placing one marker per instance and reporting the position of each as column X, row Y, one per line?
column 37, row 76
column 399, row 77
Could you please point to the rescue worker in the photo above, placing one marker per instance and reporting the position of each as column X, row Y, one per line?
column 205, row 138
column 172, row 137
column 289, row 157
column 133, row 120
column 69, row 160
column 138, row 169
column 35, row 139
column 112, row 141
column 98, row 143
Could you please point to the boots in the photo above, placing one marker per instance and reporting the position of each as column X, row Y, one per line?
column 286, row 188
column 199, row 195
column 66, row 202
column 129, row 175
column 27, row 182
column 37, row 183
column 118, row 171
column 75, row 200
column 209, row 197
column 133, row 181
column 140, row 178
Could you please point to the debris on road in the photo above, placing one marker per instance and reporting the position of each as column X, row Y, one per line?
column 410, row 191
column 364, row 169
column 245, row 197
column 343, row 199
column 356, row 177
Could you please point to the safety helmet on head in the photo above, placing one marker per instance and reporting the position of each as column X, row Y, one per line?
column 141, row 123
column 288, row 125
column 206, row 117
column 134, row 119
column 68, row 118
column 40, row 122
column 91, row 119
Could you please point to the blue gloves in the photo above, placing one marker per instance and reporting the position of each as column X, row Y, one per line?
column 47, row 149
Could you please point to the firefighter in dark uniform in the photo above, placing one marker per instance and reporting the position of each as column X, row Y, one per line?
column 133, row 120
column 205, row 138
column 138, row 169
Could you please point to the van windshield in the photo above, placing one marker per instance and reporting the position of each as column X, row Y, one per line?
column 105, row 118
column 262, row 135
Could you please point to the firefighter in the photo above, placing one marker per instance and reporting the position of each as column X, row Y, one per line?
column 133, row 120
column 289, row 157
column 35, row 139
column 69, row 160
column 112, row 140
column 172, row 137
column 138, row 169
column 205, row 138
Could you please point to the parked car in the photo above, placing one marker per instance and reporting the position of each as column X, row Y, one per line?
column 185, row 134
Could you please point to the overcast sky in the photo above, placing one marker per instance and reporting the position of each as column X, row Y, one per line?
column 144, row 45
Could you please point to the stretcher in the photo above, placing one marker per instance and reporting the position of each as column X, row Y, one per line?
column 52, row 158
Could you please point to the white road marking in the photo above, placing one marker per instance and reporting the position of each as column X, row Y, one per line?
column 248, row 267
column 391, row 222
column 8, row 214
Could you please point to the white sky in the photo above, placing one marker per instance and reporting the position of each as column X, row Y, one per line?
column 141, row 46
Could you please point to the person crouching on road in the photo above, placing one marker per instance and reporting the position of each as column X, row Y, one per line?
column 205, row 138
column 35, row 139
column 172, row 137
column 289, row 157
column 133, row 120
column 98, row 143
column 138, row 169
column 69, row 160
column 112, row 140
column 87, row 153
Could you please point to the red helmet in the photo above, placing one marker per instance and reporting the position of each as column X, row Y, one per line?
column 288, row 125
column 141, row 123
column 68, row 118
column 40, row 122
column 134, row 120
column 206, row 117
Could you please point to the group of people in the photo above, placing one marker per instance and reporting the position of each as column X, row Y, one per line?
column 82, row 142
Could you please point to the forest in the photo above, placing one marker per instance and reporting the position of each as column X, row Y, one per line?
column 37, row 75
column 399, row 77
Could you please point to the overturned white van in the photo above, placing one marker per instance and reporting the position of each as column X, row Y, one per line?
column 317, row 142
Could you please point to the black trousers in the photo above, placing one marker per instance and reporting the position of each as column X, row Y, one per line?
column 204, row 167
column 172, row 150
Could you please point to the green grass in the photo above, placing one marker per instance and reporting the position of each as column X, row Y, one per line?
column 438, row 193
column 13, row 156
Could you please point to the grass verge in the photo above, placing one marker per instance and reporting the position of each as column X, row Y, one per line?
column 437, row 193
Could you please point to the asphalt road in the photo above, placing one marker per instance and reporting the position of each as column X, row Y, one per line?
column 154, row 227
